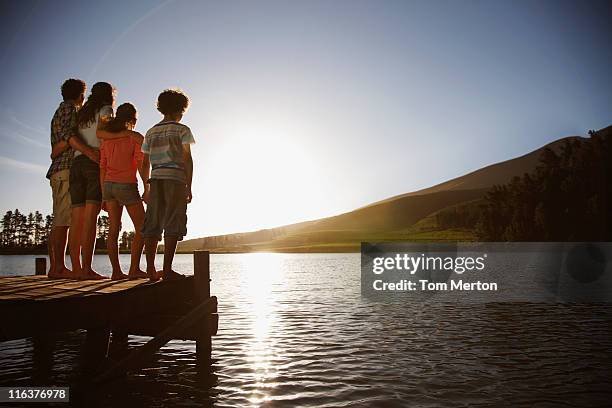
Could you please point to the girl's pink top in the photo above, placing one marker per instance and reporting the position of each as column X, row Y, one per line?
column 120, row 159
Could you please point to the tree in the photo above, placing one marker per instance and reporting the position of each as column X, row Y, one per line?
column 131, row 235
column 30, row 230
column 21, row 231
column 48, row 226
column 39, row 229
column 8, row 230
column 124, row 241
column 102, row 231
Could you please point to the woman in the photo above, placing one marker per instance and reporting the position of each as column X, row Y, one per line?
column 85, row 192
column 120, row 158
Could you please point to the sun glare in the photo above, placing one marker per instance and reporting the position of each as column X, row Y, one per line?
column 265, row 176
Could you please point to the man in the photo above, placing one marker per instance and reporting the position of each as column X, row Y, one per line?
column 63, row 129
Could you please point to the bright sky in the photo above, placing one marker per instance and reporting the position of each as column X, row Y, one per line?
column 308, row 109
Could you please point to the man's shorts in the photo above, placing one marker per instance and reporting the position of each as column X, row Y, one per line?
column 166, row 210
column 124, row 193
column 61, row 198
column 85, row 182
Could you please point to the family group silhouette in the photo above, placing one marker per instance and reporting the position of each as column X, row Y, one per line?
column 96, row 156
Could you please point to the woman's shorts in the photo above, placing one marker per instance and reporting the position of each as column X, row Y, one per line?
column 84, row 182
column 124, row 193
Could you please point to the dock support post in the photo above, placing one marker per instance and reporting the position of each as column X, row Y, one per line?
column 118, row 344
column 41, row 266
column 201, row 272
column 42, row 357
column 96, row 347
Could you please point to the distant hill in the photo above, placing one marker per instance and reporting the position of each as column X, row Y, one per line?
column 485, row 178
column 412, row 216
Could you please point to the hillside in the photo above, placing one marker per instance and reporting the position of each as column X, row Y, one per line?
column 486, row 177
column 412, row 216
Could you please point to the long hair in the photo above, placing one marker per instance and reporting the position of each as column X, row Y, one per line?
column 126, row 113
column 102, row 94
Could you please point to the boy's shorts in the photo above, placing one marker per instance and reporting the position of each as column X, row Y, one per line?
column 124, row 193
column 61, row 198
column 166, row 210
column 84, row 182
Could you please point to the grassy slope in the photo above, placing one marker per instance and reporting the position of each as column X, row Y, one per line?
column 383, row 222
column 410, row 216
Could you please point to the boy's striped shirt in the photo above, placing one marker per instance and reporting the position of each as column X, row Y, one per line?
column 164, row 145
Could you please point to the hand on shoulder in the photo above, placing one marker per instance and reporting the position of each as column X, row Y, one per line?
column 137, row 136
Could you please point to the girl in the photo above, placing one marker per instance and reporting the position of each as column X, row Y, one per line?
column 120, row 158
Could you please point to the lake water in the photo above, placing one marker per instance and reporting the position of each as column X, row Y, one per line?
column 294, row 330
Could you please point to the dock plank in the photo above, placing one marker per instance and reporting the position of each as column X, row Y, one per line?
column 41, row 288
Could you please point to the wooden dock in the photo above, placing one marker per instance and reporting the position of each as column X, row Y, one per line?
column 182, row 309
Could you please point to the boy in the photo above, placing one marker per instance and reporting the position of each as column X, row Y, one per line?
column 167, row 149
column 63, row 130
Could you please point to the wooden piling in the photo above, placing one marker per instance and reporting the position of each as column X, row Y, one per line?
column 139, row 356
column 201, row 272
column 96, row 348
column 41, row 266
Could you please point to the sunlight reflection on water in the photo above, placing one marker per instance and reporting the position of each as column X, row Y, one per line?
column 262, row 272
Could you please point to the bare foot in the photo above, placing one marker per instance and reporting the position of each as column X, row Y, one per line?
column 153, row 275
column 65, row 273
column 118, row 275
column 77, row 273
column 137, row 274
column 171, row 275
column 90, row 274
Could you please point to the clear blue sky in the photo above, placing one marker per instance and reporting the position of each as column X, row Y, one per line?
column 312, row 108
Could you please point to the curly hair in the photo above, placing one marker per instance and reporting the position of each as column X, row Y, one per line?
column 102, row 94
column 73, row 89
column 126, row 113
column 172, row 101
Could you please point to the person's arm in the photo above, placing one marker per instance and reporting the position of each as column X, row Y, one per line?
column 106, row 135
column 103, row 162
column 59, row 148
column 187, row 140
column 188, row 169
column 145, row 171
column 77, row 144
column 102, row 177
column 143, row 168
column 138, row 137
column 105, row 115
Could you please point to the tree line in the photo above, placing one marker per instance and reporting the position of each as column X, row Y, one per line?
column 19, row 231
column 25, row 231
column 567, row 198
